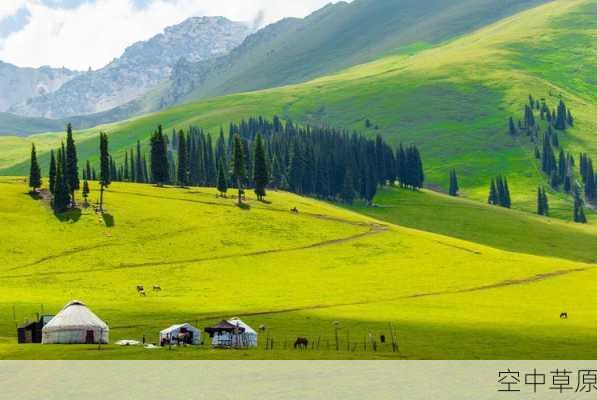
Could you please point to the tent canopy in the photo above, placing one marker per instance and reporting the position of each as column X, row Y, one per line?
column 171, row 334
column 75, row 323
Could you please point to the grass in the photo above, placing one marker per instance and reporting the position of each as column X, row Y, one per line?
column 294, row 273
column 452, row 100
column 497, row 227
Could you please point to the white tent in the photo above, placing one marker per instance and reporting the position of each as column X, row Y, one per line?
column 183, row 333
column 240, row 335
column 75, row 324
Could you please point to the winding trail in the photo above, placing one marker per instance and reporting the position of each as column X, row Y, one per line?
column 502, row 284
column 374, row 229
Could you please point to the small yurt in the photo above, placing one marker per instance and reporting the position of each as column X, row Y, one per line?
column 75, row 324
column 232, row 333
column 180, row 334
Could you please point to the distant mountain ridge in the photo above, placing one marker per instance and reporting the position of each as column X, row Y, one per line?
column 18, row 84
column 142, row 67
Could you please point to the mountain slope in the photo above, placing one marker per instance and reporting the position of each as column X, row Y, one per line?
column 453, row 101
column 20, row 84
column 337, row 36
column 141, row 68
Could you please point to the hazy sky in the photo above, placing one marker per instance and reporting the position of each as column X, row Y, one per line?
column 79, row 34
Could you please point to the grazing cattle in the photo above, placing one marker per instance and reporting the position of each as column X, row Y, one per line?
column 564, row 315
column 301, row 343
column 142, row 293
column 295, row 210
column 140, row 288
column 157, row 288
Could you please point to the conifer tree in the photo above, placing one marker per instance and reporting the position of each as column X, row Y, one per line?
column 238, row 166
column 88, row 172
column 85, row 193
column 160, row 165
column 52, row 172
column 61, row 200
column 507, row 202
column 222, row 180
column 590, row 189
column 72, row 168
column 34, row 172
column 183, row 161
column 493, row 197
column 542, row 202
column 347, row 194
column 260, row 171
column 561, row 116
column 579, row 212
column 454, row 189
column 512, row 127
column 295, row 172
column 105, row 178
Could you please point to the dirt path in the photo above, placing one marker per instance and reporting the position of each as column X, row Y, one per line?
column 375, row 229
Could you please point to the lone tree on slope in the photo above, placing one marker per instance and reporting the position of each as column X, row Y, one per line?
column 222, row 180
column 105, row 177
column 454, row 188
column 72, row 169
column 34, row 172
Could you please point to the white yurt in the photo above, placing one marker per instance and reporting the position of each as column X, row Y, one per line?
column 180, row 334
column 233, row 333
column 75, row 324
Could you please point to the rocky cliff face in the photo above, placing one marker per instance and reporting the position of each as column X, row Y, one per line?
column 142, row 67
column 19, row 84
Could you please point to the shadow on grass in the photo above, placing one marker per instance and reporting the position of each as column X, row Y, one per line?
column 108, row 220
column 244, row 206
column 69, row 216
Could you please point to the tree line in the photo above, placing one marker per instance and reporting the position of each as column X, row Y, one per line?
column 256, row 154
column 259, row 154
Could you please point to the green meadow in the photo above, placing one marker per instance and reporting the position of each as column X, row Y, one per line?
column 454, row 277
column 295, row 273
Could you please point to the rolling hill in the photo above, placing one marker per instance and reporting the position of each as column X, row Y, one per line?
column 295, row 273
column 453, row 101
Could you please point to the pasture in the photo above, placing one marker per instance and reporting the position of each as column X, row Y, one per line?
column 295, row 273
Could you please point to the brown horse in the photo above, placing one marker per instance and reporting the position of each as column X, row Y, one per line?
column 301, row 343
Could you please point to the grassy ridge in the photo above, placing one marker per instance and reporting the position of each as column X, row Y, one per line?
column 492, row 226
column 294, row 273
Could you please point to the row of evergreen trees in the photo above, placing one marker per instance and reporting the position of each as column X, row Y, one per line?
column 63, row 173
column 499, row 192
column 260, row 154
column 560, row 118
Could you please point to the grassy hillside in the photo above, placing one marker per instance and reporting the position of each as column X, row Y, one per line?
column 294, row 273
column 481, row 223
column 453, row 101
column 342, row 35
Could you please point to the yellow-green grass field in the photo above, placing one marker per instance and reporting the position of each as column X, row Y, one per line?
column 447, row 298
column 452, row 100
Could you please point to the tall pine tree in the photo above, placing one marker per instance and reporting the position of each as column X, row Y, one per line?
column 260, row 171
column 34, row 172
column 72, row 168
column 105, row 178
